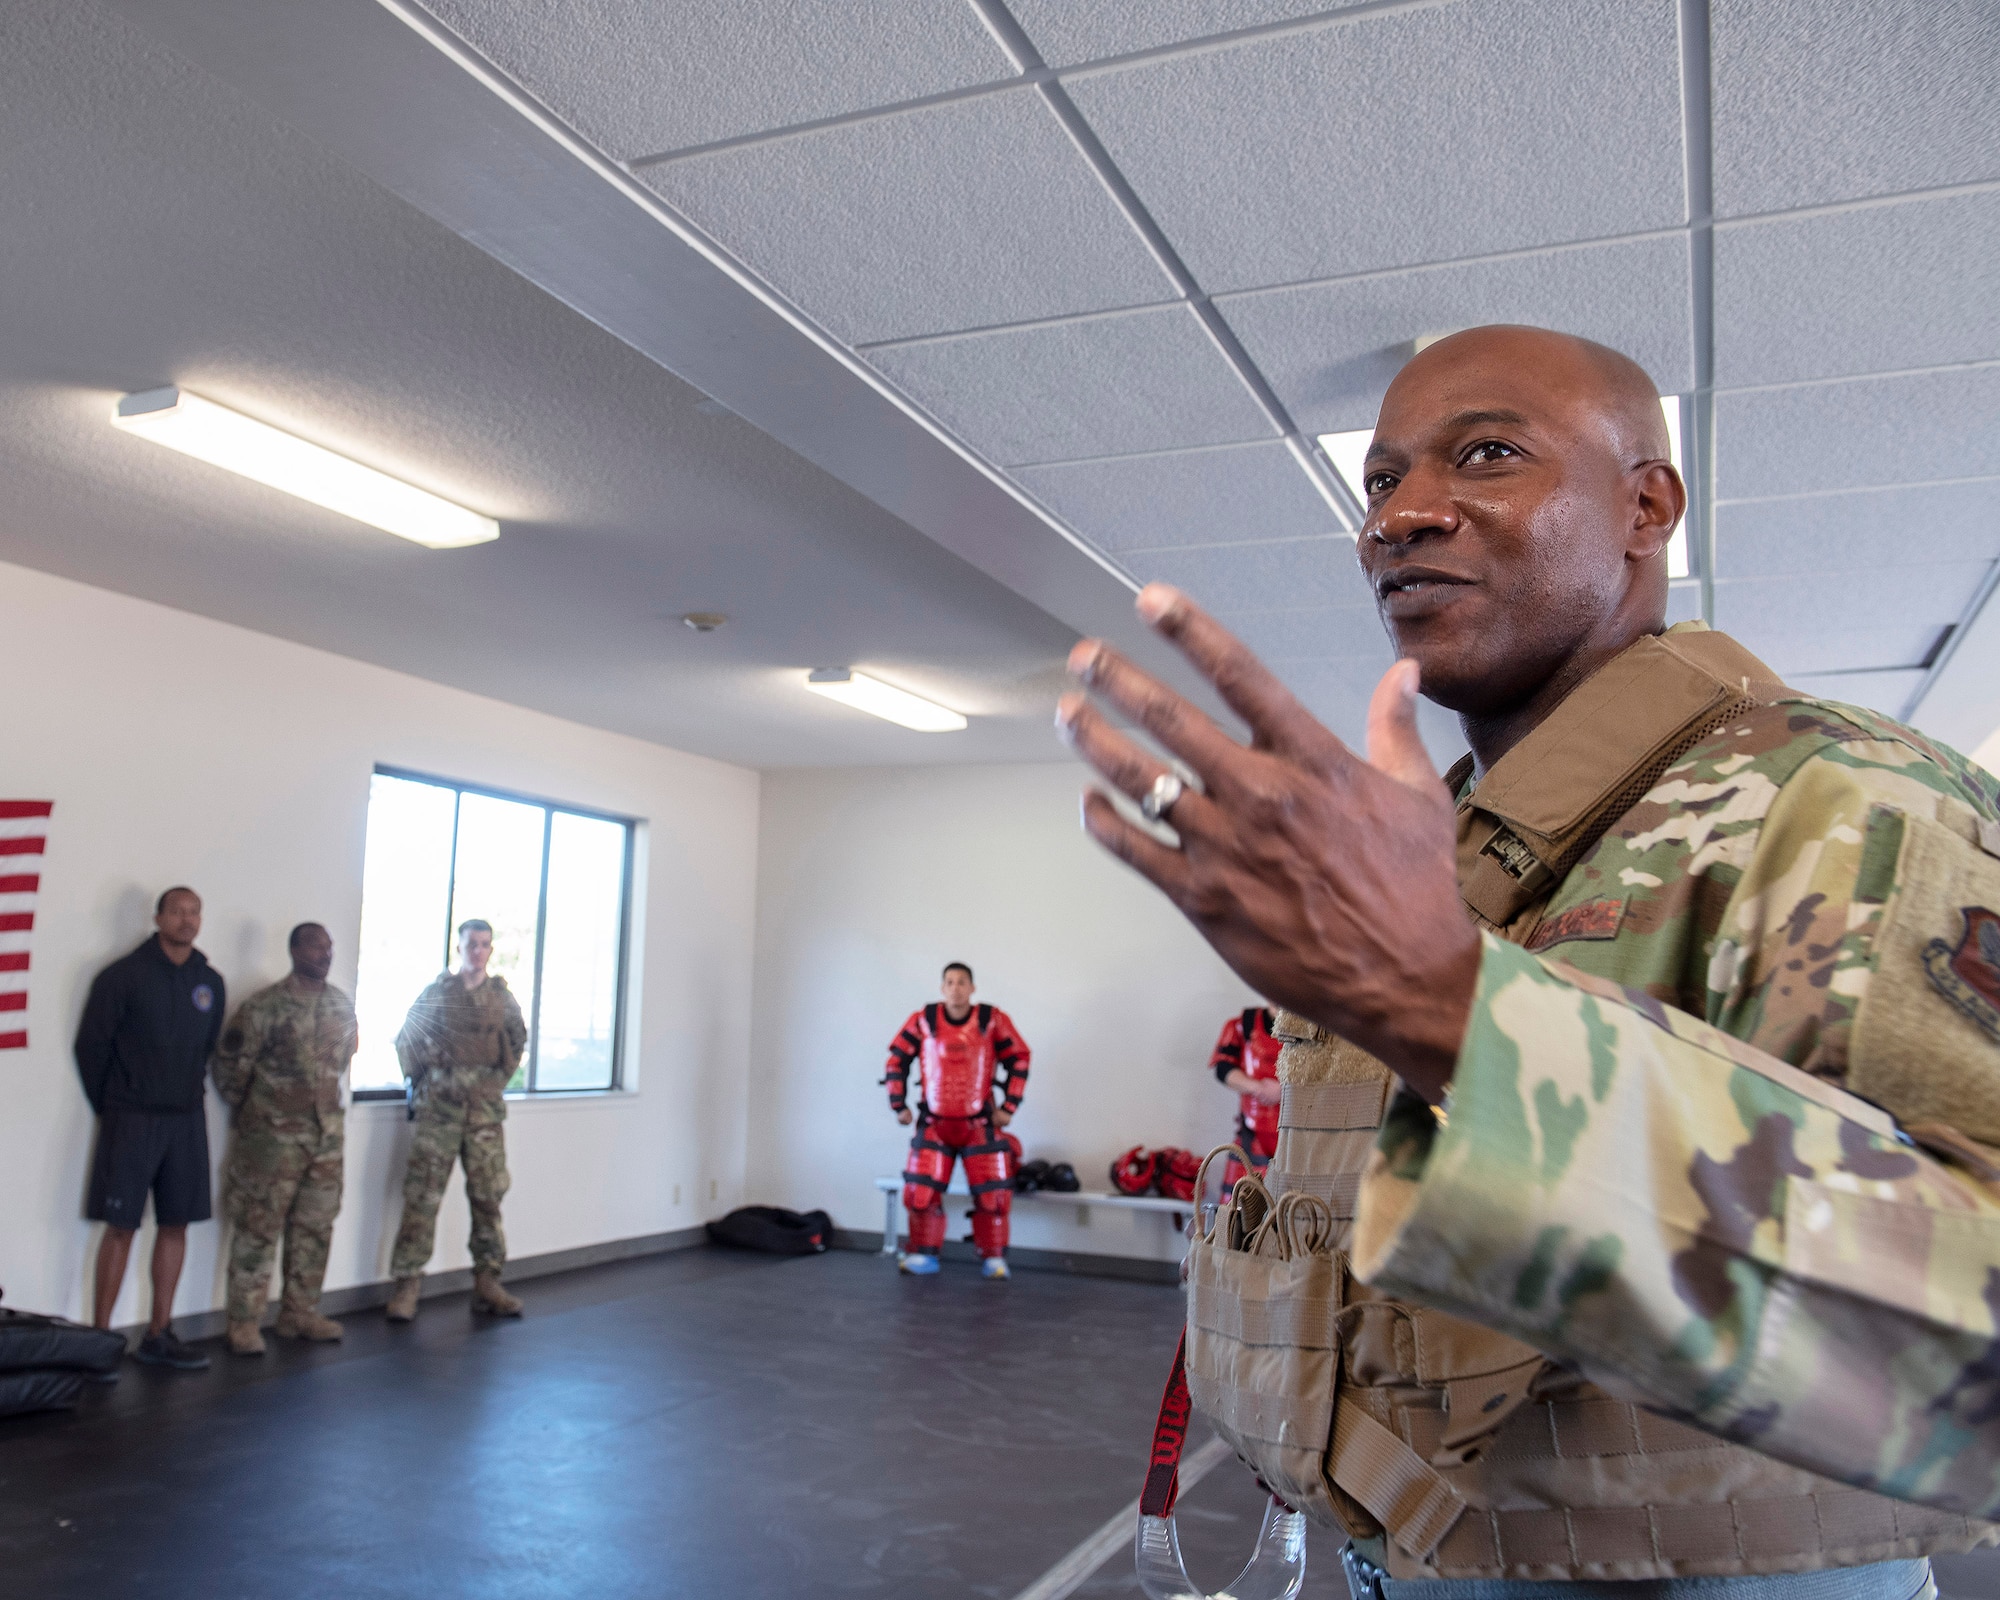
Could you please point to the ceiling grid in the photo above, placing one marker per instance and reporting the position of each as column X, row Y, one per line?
column 1698, row 407
column 1302, row 447
column 1134, row 257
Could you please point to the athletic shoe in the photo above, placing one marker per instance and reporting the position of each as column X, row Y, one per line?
column 994, row 1267
column 919, row 1264
column 164, row 1350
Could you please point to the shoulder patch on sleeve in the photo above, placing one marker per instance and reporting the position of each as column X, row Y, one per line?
column 1926, row 1041
column 1968, row 973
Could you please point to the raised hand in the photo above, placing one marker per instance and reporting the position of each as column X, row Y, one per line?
column 1326, row 881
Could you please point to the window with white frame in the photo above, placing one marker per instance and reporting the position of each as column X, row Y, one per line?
column 555, row 883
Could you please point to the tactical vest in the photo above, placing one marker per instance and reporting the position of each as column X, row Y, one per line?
column 1443, row 1449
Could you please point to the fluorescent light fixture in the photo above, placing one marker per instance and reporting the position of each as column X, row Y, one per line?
column 884, row 700
column 255, row 450
column 1347, row 451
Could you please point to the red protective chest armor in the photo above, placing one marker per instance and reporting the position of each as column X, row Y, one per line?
column 1247, row 1045
column 957, row 1064
column 1260, row 1060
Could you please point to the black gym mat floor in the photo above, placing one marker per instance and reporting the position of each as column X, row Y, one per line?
column 701, row 1424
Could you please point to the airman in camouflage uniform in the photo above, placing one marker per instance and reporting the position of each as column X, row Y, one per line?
column 279, row 1064
column 459, row 1046
column 1642, row 1167
column 1707, row 1112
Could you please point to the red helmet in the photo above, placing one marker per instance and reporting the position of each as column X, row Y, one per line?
column 1132, row 1173
column 1013, row 1153
column 1174, row 1172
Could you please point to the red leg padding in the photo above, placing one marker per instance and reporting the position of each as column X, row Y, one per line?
column 938, row 1144
column 992, row 1189
column 989, row 1231
column 927, row 1229
column 925, row 1177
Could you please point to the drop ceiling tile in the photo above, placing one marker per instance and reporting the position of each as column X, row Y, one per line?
column 1825, row 100
column 1833, row 623
column 1101, row 386
column 1235, row 578
column 1877, row 289
column 1797, row 649
column 1330, row 349
column 1066, row 33
column 1335, row 693
column 1886, row 692
column 1232, row 494
column 956, row 216
column 1338, row 692
column 1388, row 140
column 1858, row 434
column 1860, row 532
column 641, row 79
column 1313, row 633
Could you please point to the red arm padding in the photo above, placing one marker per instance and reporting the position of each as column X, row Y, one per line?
column 902, row 1051
column 1010, row 1051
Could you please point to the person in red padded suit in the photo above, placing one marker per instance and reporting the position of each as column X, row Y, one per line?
column 1246, row 1060
column 966, row 1053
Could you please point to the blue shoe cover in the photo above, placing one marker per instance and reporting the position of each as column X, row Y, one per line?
column 919, row 1264
column 994, row 1267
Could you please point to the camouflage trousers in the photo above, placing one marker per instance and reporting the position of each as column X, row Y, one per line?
column 281, row 1183
column 445, row 1132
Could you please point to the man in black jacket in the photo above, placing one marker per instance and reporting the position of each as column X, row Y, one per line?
column 148, row 1030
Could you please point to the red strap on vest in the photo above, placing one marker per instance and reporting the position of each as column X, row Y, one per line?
column 1163, row 1472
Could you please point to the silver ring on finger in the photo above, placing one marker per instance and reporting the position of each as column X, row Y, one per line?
column 1162, row 797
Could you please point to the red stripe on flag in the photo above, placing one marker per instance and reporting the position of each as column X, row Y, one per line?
column 17, row 921
column 26, row 808
column 30, row 846
column 20, row 883
column 13, row 961
column 14, row 1002
column 14, row 1041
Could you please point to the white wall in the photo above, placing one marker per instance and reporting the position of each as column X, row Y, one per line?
column 868, row 882
column 180, row 750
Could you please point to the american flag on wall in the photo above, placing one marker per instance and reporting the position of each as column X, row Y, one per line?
column 24, row 831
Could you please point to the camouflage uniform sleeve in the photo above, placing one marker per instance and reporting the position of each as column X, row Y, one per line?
column 417, row 1043
column 1660, row 1199
column 236, row 1052
column 351, row 1031
column 513, row 1039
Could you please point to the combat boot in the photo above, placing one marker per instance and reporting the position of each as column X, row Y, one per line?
column 245, row 1339
column 488, row 1296
column 308, row 1325
column 402, row 1306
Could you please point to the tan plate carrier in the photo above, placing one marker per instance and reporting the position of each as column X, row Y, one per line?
column 1443, row 1449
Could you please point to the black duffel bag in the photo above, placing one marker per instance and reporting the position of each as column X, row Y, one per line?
column 41, row 1389
column 29, row 1340
column 774, row 1230
column 44, row 1361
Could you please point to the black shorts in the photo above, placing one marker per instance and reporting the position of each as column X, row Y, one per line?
column 165, row 1152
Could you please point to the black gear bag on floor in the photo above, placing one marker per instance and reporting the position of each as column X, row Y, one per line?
column 774, row 1230
column 44, row 1360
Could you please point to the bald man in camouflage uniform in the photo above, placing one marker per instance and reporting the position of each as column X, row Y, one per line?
column 279, row 1064
column 459, row 1047
column 1682, row 998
